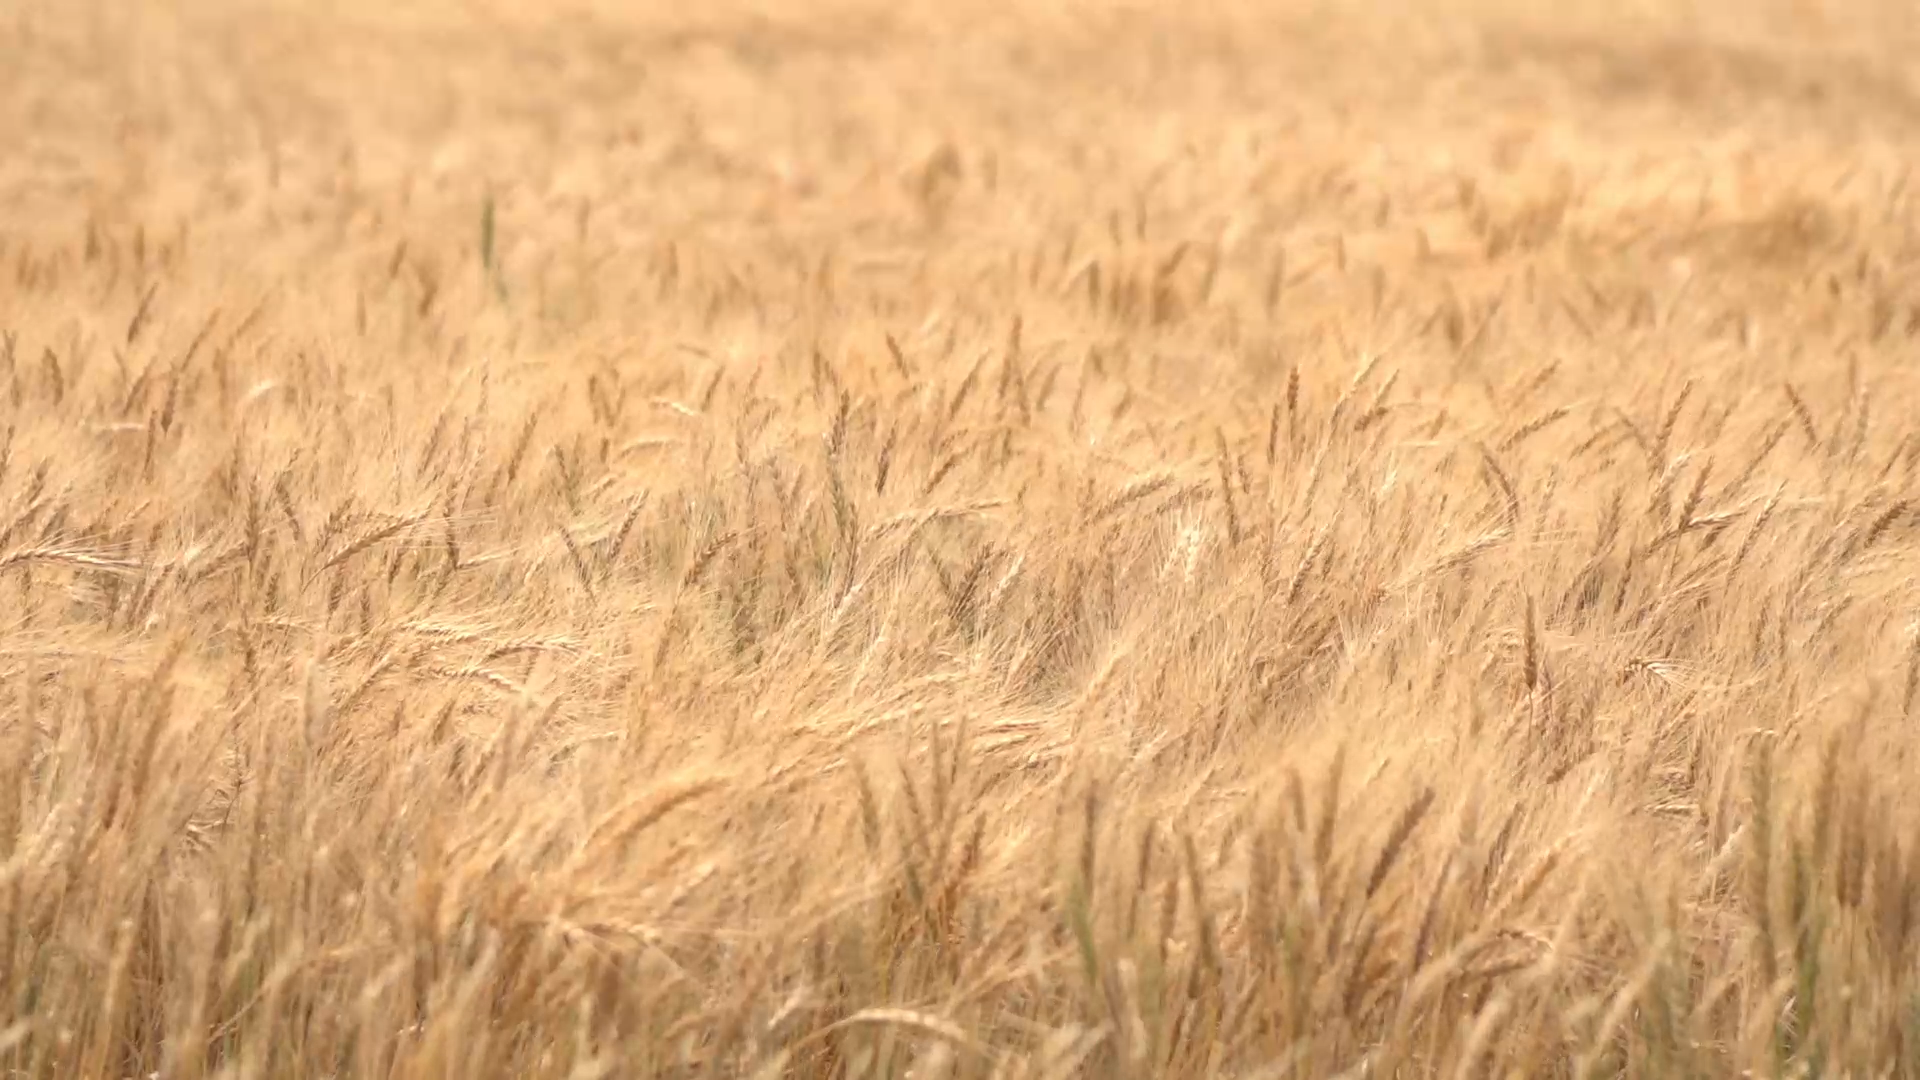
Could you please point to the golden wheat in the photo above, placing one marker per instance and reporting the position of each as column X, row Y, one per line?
column 1033, row 541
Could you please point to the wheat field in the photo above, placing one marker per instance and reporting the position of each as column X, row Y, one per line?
column 1041, row 540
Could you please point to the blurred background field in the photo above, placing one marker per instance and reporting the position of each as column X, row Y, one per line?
column 1037, row 540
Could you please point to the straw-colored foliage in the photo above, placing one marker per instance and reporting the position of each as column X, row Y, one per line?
column 1207, row 539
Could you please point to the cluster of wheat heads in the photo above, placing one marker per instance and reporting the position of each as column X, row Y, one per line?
column 1047, row 543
